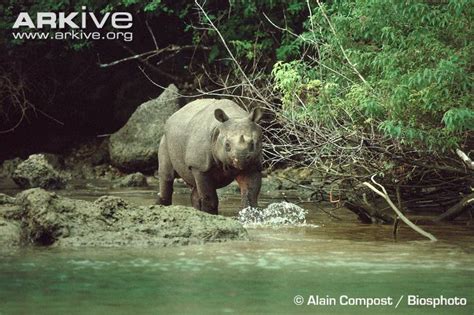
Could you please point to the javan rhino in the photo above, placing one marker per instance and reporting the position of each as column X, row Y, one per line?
column 209, row 143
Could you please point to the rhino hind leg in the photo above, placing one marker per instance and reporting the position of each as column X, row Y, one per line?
column 166, row 174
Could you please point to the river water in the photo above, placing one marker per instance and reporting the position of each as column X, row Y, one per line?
column 325, row 260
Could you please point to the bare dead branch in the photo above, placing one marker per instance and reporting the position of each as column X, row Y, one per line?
column 457, row 209
column 466, row 159
column 151, row 53
column 383, row 193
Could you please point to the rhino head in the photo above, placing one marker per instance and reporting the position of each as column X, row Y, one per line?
column 237, row 142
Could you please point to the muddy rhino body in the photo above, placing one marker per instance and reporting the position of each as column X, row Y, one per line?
column 209, row 143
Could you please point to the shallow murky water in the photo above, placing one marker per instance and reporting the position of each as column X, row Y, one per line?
column 326, row 258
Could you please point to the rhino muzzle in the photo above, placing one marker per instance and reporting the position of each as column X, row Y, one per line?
column 242, row 162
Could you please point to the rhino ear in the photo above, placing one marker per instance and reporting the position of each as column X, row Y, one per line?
column 256, row 114
column 220, row 115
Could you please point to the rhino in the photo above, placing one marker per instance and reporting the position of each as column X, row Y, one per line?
column 209, row 143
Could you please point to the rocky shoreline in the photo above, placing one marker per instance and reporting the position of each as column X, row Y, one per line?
column 41, row 218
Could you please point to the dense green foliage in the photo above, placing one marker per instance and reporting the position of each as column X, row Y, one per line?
column 415, row 58
column 400, row 67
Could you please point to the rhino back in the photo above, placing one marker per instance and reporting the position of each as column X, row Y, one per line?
column 200, row 109
column 188, row 134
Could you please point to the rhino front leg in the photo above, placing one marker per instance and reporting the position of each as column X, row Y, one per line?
column 249, row 184
column 166, row 174
column 206, row 193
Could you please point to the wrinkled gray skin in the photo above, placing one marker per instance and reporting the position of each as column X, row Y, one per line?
column 209, row 143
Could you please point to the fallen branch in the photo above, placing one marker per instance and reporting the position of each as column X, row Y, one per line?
column 467, row 160
column 457, row 209
column 383, row 193
column 362, row 214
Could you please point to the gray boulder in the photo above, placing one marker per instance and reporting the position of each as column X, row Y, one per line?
column 132, row 180
column 8, row 167
column 9, row 233
column 39, row 170
column 9, row 225
column 135, row 146
column 5, row 199
column 50, row 220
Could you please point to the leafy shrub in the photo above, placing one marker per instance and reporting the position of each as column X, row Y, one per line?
column 415, row 59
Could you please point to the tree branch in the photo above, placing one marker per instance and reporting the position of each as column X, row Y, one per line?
column 151, row 53
column 457, row 209
column 383, row 193
column 467, row 160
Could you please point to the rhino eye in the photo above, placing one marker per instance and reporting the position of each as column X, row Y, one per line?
column 227, row 146
column 251, row 146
